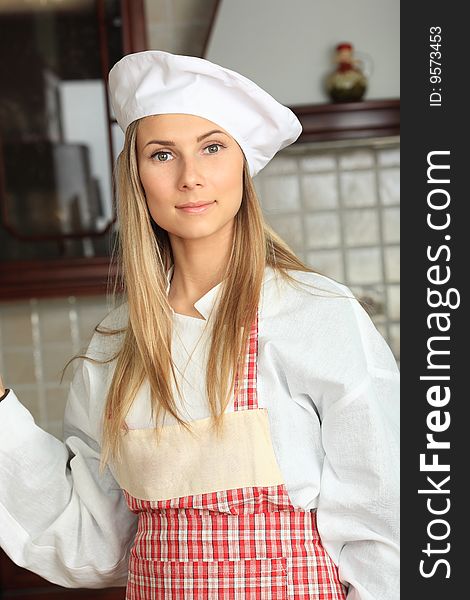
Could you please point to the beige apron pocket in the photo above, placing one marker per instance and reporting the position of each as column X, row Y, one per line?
column 252, row 579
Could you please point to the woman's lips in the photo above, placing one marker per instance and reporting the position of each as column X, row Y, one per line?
column 197, row 209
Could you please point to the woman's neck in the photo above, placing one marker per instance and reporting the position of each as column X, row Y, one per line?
column 198, row 267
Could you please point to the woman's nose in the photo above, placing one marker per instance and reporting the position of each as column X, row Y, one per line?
column 191, row 173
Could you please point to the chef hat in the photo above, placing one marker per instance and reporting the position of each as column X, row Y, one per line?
column 155, row 82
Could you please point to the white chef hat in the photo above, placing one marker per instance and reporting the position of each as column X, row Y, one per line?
column 156, row 82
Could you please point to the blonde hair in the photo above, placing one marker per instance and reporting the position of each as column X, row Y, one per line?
column 144, row 256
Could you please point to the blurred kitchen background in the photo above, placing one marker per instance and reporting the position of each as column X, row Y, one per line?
column 333, row 195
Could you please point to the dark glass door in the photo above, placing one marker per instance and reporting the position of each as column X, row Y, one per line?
column 56, row 130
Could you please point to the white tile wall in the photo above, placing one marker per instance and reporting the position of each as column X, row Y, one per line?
column 37, row 338
column 389, row 186
column 364, row 266
column 319, row 191
column 327, row 262
column 356, row 158
column 361, row 227
column 391, row 225
column 324, row 230
column 282, row 194
column 358, row 188
column 349, row 207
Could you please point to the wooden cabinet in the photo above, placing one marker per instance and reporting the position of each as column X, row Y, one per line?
column 349, row 120
column 59, row 141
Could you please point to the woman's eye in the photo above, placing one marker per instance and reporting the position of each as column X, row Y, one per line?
column 213, row 146
column 159, row 153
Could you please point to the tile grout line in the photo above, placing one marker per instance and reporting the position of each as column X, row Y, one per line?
column 74, row 324
column 304, row 214
column 341, row 217
column 381, row 213
column 38, row 362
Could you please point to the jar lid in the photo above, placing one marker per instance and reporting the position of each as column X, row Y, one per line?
column 344, row 46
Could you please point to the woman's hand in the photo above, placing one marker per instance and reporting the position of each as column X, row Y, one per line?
column 2, row 389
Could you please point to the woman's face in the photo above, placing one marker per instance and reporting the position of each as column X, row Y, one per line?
column 182, row 160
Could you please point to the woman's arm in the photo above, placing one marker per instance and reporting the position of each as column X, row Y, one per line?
column 58, row 517
column 358, row 511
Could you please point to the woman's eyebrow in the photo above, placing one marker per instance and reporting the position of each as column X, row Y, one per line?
column 170, row 143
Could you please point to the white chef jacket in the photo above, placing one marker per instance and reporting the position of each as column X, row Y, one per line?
column 329, row 383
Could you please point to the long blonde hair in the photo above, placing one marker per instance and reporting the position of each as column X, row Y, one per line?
column 144, row 256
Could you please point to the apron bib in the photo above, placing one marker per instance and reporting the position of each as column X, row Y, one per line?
column 215, row 518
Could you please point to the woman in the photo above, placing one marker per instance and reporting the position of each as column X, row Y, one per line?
column 248, row 405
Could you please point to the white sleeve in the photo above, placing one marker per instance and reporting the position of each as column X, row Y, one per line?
column 358, row 511
column 58, row 517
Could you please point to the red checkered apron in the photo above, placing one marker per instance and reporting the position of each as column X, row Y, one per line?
column 238, row 544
